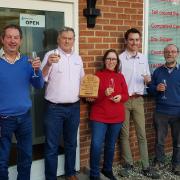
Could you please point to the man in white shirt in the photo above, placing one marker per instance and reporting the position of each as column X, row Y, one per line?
column 135, row 69
column 62, row 70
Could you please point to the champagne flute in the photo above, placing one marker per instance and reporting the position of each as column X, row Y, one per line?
column 164, row 93
column 56, row 53
column 144, row 75
column 111, row 85
column 33, row 57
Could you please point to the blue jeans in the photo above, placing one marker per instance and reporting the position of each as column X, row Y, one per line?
column 21, row 126
column 102, row 133
column 162, row 121
column 61, row 119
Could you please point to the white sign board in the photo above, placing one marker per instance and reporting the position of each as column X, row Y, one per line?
column 32, row 20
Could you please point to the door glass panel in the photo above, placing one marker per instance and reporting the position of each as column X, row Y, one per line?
column 41, row 40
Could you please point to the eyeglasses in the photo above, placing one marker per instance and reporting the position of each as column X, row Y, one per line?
column 111, row 59
column 169, row 52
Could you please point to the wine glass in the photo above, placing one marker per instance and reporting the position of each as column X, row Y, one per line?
column 144, row 75
column 164, row 93
column 33, row 57
column 111, row 85
column 56, row 53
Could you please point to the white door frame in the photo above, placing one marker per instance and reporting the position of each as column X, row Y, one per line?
column 70, row 9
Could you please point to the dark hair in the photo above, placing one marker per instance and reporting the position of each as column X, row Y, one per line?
column 11, row 26
column 132, row 30
column 105, row 56
column 65, row 29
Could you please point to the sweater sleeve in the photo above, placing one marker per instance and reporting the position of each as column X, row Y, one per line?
column 124, row 94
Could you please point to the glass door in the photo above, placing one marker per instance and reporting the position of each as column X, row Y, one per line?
column 40, row 22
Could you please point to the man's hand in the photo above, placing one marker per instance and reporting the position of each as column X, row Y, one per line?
column 147, row 79
column 90, row 99
column 53, row 58
column 161, row 87
column 36, row 63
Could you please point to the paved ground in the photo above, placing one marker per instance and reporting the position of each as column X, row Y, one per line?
column 165, row 173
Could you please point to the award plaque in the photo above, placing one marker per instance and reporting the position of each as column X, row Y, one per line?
column 89, row 86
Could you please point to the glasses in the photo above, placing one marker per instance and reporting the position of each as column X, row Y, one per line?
column 169, row 52
column 111, row 59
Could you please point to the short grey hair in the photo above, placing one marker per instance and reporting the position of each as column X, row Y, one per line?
column 172, row 45
column 65, row 29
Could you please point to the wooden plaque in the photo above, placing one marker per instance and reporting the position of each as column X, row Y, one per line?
column 89, row 86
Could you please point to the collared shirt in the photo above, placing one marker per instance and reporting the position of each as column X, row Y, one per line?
column 133, row 67
column 2, row 56
column 63, row 78
column 170, row 70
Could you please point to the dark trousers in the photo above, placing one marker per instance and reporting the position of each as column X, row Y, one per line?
column 61, row 119
column 21, row 126
column 162, row 122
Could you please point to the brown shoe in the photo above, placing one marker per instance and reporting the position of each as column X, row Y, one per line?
column 71, row 178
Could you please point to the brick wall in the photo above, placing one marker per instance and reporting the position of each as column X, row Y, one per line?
column 116, row 17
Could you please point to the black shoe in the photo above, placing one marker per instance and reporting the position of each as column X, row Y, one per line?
column 124, row 172
column 94, row 178
column 150, row 173
column 176, row 170
column 128, row 166
column 108, row 174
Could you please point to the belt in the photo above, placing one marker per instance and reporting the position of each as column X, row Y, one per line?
column 61, row 104
column 134, row 96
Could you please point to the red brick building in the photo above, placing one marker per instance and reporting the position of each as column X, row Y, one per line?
column 40, row 20
column 116, row 17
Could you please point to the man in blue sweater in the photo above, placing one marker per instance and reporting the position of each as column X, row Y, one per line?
column 16, row 75
column 165, row 86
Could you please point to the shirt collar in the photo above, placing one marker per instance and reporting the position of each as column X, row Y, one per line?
column 2, row 56
column 129, row 56
column 177, row 66
column 170, row 70
column 72, row 51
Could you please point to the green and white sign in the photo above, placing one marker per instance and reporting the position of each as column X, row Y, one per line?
column 163, row 29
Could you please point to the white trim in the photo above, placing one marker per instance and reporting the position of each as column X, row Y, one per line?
column 145, row 24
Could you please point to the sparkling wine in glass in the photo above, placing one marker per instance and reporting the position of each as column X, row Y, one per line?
column 56, row 53
column 164, row 93
column 33, row 57
column 111, row 85
column 145, row 74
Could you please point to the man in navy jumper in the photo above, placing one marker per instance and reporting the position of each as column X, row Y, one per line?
column 16, row 75
column 165, row 86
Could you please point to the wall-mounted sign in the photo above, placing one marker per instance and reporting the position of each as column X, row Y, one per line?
column 163, row 28
column 32, row 20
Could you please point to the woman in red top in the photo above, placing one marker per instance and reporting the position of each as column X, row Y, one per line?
column 107, row 115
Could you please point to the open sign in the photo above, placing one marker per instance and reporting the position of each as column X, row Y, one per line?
column 32, row 20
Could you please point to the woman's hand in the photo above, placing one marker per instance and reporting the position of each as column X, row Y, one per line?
column 109, row 91
column 117, row 98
